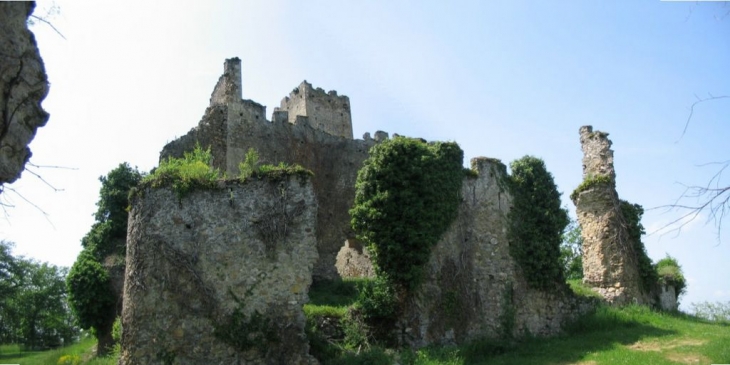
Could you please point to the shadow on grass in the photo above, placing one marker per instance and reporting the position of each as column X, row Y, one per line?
column 337, row 293
column 18, row 354
column 601, row 331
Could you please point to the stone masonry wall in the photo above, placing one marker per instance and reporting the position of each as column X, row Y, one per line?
column 231, row 129
column 609, row 263
column 233, row 262
column 472, row 287
column 23, row 86
column 326, row 111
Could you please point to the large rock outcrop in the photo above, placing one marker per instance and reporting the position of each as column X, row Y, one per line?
column 220, row 276
column 23, row 86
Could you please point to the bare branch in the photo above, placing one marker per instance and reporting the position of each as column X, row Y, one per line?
column 692, row 111
column 49, row 24
column 45, row 215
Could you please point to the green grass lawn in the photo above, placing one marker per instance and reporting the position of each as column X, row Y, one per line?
column 630, row 335
column 76, row 354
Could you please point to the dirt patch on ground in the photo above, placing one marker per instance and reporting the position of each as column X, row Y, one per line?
column 659, row 346
column 685, row 358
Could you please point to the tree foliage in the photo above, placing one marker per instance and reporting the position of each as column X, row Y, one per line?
column 33, row 308
column 90, row 293
column 536, row 222
column 571, row 252
column 108, row 234
column 407, row 195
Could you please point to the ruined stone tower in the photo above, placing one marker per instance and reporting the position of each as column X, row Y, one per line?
column 307, row 127
column 609, row 262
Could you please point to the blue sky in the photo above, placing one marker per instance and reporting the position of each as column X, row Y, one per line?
column 503, row 79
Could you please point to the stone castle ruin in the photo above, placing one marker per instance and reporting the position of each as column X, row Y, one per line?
column 312, row 128
column 609, row 261
column 220, row 275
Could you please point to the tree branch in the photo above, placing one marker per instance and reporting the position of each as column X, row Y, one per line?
column 692, row 111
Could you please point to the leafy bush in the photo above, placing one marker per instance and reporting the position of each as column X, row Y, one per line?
column 670, row 273
column 89, row 292
column 536, row 222
column 184, row 174
column 407, row 195
column 377, row 300
column 632, row 214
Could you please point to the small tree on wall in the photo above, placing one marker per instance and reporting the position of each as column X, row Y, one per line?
column 536, row 222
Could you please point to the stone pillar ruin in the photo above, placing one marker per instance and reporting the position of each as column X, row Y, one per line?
column 609, row 260
column 220, row 276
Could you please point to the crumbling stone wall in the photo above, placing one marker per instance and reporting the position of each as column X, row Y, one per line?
column 23, row 86
column 353, row 261
column 472, row 287
column 220, row 276
column 668, row 297
column 326, row 111
column 609, row 261
column 231, row 126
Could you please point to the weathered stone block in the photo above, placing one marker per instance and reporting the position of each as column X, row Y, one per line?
column 220, row 276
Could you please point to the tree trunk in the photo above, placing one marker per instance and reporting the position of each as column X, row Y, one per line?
column 105, row 342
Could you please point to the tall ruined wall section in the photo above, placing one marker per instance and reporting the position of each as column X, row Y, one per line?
column 472, row 287
column 326, row 111
column 23, row 86
column 231, row 128
column 219, row 276
column 609, row 263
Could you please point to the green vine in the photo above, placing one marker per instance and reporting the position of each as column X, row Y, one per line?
column 536, row 223
column 632, row 214
column 407, row 194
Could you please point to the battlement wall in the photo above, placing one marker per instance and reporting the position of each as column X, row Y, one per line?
column 326, row 111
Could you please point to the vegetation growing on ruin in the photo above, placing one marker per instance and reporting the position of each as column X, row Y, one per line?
column 250, row 167
column 589, row 183
column 407, row 195
column 194, row 170
column 536, row 223
column 632, row 214
column 670, row 273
